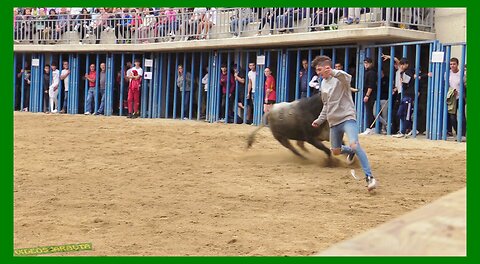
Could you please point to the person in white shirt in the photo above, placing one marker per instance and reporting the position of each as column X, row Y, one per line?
column 53, row 89
column 252, row 83
column 454, row 83
column 65, row 77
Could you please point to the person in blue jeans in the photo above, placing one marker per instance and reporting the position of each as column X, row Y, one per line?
column 339, row 110
column 102, row 83
column 91, row 77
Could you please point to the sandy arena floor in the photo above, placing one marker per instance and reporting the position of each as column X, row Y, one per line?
column 169, row 187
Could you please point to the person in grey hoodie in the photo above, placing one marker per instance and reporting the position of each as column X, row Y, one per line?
column 339, row 110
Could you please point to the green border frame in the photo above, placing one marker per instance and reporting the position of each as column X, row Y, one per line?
column 6, row 181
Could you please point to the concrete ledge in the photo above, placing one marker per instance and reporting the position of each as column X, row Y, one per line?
column 437, row 229
column 330, row 37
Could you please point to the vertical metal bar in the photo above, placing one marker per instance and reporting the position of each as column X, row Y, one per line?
column 208, row 108
column 415, row 104
column 154, row 86
column 443, row 101
column 199, row 92
column 235, row 104
column 228, row 87
column 182, row 109
column 14, row 79
column 308, row 71
column 379, row 89
column 218, row 88
column 122, row 82
column 150, row 90
column 143, row 94
column 87, row 62
column 174, row 114
column 297, row 76
column 347, row 61
column 390, row 89
column 97, row 82
column 428, row 129
column 159, row 73
column 361, row 117
column 436, row 88
column 60, row 84
column 167, row 91
column 245, row 100
column 22, row 93
column 278, row 75
column 287, row 77
column 461, row 102
column 192, row 79
column 334, row 57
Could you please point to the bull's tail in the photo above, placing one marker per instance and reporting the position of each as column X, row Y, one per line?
column 251, row 137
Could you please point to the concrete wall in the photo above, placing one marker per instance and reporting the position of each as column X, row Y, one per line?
column 451, row 26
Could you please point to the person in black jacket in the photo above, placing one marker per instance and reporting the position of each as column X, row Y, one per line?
column 405, row 109
column 369, row 88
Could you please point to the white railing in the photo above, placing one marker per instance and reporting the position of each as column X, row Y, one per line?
column 183, row 24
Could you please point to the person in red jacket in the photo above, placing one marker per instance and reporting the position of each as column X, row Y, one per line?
column 134, row 94
column 270, row 90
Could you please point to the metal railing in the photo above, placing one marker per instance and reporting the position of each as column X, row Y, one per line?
column 184, row 24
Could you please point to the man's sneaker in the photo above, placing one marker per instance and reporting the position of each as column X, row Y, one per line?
column 411, row 132
column 87, row 113
column 54, row 111
column 371, row 183
column 129, row 116
column 399, row 135
column 350, row 158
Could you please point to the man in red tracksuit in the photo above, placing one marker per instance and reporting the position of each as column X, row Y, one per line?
column 134, row 94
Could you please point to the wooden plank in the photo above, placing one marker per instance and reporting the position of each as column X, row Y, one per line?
column 437, row 229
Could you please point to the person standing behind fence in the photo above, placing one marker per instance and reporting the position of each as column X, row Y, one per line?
column 370, row 87
column 407, row 82
column 91, row 77
column 130, row 77
column 134, row 94
column 53, row 89
column 204, row 94
column 65, row 77
column 224, row 78
column 252, row 83
column 184, row 81
column 454, row 86
column 305, row 78
column 270, row 90
column 102, row 83
column 339, row 110
column 46, row 84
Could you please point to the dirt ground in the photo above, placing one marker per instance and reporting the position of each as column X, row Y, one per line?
column 171, row 187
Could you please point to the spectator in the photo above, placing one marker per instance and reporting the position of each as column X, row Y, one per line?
column 208, row 21
column 83, row 24
column 239, row 21
column 454, row 87
column 102, row 83
column 25, row 76
column 41, row 27
column 322, row 17
column 123, row 19
column 135, row 23
column 51, row 32
column 270, row 90
column 404, row 112
column 172, row 25
column 304, row 78
column 46, row 85
column 27, row 28
column 195, row 21
column 252, row 83
column 148, row 24
column 267, row 15
column 226, row 79
column 239, row 75
column 53, row 89
column 91, row 77
column 134, row 93
column 204, row 94
column 370, row 87
column 65, row 77
column 132, row 77
column 338, row 66
column 353, row 16
column 184, row 82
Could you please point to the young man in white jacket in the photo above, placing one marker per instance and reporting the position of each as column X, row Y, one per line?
column 339, row 111
column 53, row 89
